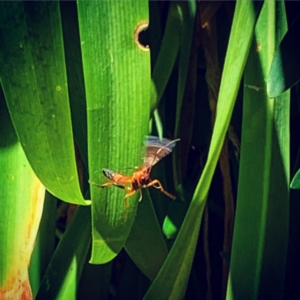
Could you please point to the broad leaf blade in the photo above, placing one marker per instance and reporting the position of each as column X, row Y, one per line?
column 34, row 81
column 117, row 81
column 22, row 198
column 145, row 244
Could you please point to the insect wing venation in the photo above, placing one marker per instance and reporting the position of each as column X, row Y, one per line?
column 156, row 149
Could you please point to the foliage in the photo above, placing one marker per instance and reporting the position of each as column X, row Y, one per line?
column 81, row 90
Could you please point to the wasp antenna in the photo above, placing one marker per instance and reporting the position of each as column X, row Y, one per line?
column 94, row 183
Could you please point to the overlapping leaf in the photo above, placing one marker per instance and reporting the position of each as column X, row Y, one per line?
column 33, row 77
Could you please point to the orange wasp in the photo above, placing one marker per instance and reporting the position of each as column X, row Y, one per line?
column 156, row 149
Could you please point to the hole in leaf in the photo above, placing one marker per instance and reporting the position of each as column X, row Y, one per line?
column 141, row 35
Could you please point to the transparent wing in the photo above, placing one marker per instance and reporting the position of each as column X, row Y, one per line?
column 156, row 149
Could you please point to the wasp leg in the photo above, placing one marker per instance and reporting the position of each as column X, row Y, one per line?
column 127, row 188
column 156, row 184
column 132, row 193
column 125, row 184
column 109, row 183
column 126, row 204
column 120, row 186
column 141, row 195
column 129, row 194
column 94, row 183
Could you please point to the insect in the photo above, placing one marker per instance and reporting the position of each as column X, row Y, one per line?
column 156, row 149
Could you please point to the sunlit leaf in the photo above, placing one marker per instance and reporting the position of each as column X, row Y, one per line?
column 33, row 76
column 171, row 281
column 263, row 193
column 22, row 198
column 285, row 68
column 117, row 82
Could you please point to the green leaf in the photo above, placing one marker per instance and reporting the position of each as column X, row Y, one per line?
column 295, row 184
column 168, row 52
column 64, row 270
column 33, row 76
column 188, row 10
column 117, row 82
column 171, row 281
column 74, row 69
column 95, row 281
column 145, row 244
column 262, row 214
column 285, row 68
column 177, row 209
column 44, row 243
column 22, row 198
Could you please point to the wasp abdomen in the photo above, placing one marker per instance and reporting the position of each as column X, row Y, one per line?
column 135, row 185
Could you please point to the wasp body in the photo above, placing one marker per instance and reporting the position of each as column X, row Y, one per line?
column 156, row 149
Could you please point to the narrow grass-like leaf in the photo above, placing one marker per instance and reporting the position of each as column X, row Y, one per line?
column 171, row 281
column 145, row 244
column 188, row 9
column 44, row 244
column 64, row 270
column 177, row 210
column 22, row 198
column 168, row 51
column 33, row 77
column 95, row 281
column 75, row 75
column 261, row 224
column 117, row 81
column 285, row 68
column 295, row 184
